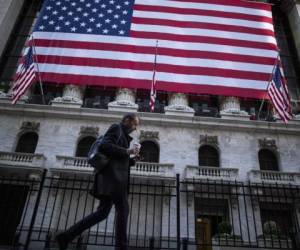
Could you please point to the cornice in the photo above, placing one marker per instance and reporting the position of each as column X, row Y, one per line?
column 153, row 119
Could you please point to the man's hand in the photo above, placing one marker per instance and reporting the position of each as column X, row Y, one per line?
column 133, row 151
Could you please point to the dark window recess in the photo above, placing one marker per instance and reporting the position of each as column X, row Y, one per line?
column 149, row 152
column 13, row 198
column 98, row 97
column 204, row 105
column 27, row 143
column 267, row 160
column 84, row 146
column 281, row 214
column 208, row 156
column 143, row 100
column 50, row 91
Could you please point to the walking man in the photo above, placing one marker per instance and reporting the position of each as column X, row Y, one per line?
column 111, row 186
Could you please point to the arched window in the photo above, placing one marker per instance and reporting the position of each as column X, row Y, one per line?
column 267, row 160
column 27, row 143
column 208, row 156
column 84, row 146
column 149, row 152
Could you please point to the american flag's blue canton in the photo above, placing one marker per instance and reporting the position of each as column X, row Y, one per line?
column 277, row 78
column 102, row 17
column 28, row 58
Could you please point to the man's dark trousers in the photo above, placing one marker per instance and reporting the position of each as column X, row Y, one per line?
column 122, row 209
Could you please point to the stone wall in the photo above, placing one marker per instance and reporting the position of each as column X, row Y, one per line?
column 179, row 144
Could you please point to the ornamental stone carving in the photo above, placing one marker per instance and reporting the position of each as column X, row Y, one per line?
column 267, row 143
column 179, row 105
column 72, row 96
column 209, row 139
column 125, row 101
column 92, row 131
column 32, row 126
column 149, row 135
column 231, row 108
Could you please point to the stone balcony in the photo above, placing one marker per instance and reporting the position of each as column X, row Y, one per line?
column 149, row 169
column 21, row 160
column 69, row 163
column 141, row 169
column 273, row 177
column 211, row 173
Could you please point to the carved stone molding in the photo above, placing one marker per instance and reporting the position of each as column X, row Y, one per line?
column 125, row 101
column 267, row 143
column 231, row 108
column 179, row 105
column 32, row 126
column 146, row 135
column 92, row 131
column 72, row 96
column 209, row 139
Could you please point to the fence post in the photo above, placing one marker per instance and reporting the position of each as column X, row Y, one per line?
column 151, row 243
column 36, row 206
column 184, row 243
column 178, row 210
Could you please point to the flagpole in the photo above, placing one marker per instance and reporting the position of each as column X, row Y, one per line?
column 153, row 89
column 270, row 80
column 38, row 71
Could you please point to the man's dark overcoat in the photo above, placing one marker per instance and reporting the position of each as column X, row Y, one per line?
column 114, row 180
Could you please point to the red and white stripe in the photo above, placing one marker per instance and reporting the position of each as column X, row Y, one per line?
column 23, row 81
column 205, row 46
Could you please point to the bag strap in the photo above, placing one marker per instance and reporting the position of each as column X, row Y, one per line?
column 101, row 136
column 120, row 134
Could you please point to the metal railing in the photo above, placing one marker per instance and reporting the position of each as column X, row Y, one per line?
column 163, row 214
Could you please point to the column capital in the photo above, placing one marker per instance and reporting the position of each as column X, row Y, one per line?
column 179, row 105
column 72, row 97
column 125, row 101
column 230, row 108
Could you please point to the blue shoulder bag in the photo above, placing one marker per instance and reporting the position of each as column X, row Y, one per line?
column 96, row 158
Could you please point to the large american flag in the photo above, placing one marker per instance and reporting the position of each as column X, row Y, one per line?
column 222, row 47
column 25, row 76
column 279, row 95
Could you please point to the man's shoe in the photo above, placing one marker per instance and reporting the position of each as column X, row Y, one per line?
column 62, row 241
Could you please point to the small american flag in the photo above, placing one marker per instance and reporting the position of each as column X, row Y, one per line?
column 153, row 84
column 279, row 95
column 152, row 93
column 25, row 76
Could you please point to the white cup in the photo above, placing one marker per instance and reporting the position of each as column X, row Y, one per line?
column 137, row 145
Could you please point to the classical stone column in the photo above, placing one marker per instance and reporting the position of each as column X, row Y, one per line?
column 72, row 97
column 125, row 101
column 230, row 108
column 292, row 9
column 9, row 12
column 179, row 105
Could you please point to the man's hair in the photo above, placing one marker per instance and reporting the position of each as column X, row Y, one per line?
column 130, row 117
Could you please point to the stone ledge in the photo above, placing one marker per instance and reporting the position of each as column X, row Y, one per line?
column 44, row 111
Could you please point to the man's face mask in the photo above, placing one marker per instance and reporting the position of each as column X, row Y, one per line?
column 130, row 130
